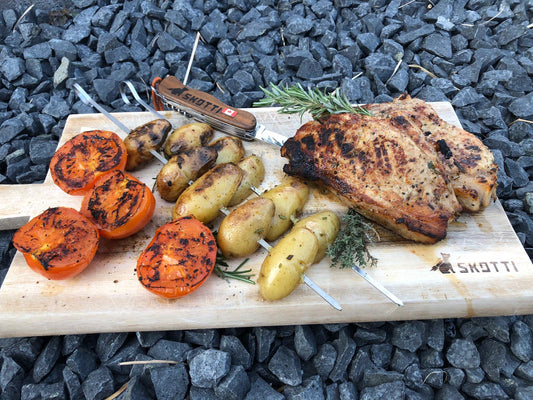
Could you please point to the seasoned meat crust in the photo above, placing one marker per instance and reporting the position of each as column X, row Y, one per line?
column 468, row 163
column 384, row 168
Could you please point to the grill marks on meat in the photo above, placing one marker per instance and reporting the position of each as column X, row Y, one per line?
column 383, row 168
column 468, row 163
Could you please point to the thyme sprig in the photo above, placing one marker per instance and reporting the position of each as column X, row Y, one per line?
column 351, row 243
column 222, row 269
column 296, row 100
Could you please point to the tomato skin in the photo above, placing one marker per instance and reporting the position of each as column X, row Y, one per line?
column 119, row 205
column 58, row 243
column 179, row 259
column 81, row 160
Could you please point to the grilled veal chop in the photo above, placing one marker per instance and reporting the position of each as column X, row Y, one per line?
column 384, row 168
column 469, row 164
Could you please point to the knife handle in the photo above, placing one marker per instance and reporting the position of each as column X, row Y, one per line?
column 206, row 108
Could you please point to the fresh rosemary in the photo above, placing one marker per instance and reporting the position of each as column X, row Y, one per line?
column 296, row 100
column 351, row 243
column 222, row 269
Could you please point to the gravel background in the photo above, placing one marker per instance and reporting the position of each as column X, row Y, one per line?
column 477, row 54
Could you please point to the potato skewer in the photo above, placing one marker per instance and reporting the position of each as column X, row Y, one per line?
column 258, row 214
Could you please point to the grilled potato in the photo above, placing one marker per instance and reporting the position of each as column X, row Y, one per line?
column 187, row 137
column 229, row 148
column 182, row 168
column 253, row 174
column 325, row 225
column 282, row 270
column 209, row 193
column 142, row 140
column 289, row 197
column 244, row 226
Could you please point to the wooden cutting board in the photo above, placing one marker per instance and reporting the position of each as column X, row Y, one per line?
column 483, row 271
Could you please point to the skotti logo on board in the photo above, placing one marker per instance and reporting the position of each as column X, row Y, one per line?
column 444, row 266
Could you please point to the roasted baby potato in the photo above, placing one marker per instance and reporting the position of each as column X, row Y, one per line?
column 182, row 168
column 289, row 197
column 142, row 140
column 229, row 148
column 209, row 193
column 244, row 226
column 253, row 174
column 187, row 137
column 325, row 225
column 284, row 265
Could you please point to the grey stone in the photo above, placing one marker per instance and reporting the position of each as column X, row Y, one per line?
column 264, row 339
column 381, row 354
column 310, row 389
column 12, row 68
column 208, row 367
column 436, row 335
column 522, row 107
column 391, row 391
column 57, row 107
column 170, row 382
column 431, row 358
column 82, row 361
column 438, row 44
column 454, row 376
column 380, row 65
column 369, row 336
column 368, row 42
column 120, row 53
column 239, row 354
column 76, row 33
column 401, row 359
column 496, row 327
column 63, row 48
column 309, row 69
column 448, row 392
column 260, row 389
column 234, row 385
column 207, row 338
column 108, row 344
column 409, row 335
column 253, row 30
column 10, row 129
column 72, row 383
column 462, row 353
column 324, row 360
column 10, row 372
column 525, row 371
column 466, row 96
column 516, row 172
column 413, row 378
column 286, row 366
column 375, row 377
column 345, row 347
column 99, row 384
column 305, row 342
column 47, row 359
column 169, row 350
column 486, row 390
column 524, row 393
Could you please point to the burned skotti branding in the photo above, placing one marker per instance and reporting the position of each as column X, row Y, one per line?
column 444, row 266
column 184, row 94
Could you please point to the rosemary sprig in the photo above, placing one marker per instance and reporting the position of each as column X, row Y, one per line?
column 296, row 100
column 351, row 243
column 223, row 271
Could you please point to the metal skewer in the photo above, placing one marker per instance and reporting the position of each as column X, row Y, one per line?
column 377, row 285
column 86, row 99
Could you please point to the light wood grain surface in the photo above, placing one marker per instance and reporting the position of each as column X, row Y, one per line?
column 488, row 271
